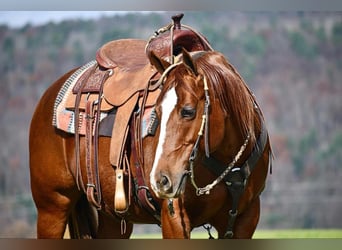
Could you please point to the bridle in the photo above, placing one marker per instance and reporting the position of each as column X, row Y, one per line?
column 236, row 186
column 193, row 155
column 234, row 177
column 204, row 131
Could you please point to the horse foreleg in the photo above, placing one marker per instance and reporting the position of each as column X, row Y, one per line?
column 246, row 223
column 174, row 220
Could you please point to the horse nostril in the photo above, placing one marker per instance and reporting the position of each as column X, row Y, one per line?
column 164, row 180
column 165, row 184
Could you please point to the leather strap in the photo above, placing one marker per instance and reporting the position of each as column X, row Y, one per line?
column 120, row 130
column 92, row 187
column 142, row 191
column 78, row 172
column 96, row 135
column 237, row 178
column 216, row 166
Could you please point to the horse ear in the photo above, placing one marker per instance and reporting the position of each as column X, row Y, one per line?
column 159, row 63
column 189, row 62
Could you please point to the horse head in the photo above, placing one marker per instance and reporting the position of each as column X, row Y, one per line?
column 185, row 120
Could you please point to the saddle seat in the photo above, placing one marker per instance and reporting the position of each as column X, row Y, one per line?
column 131, row 73
column 128, row 54
column 132, row 70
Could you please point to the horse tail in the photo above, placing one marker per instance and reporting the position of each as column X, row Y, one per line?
column 83, row 221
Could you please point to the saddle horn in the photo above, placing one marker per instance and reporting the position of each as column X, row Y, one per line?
column 168, row 42
column 176, row 21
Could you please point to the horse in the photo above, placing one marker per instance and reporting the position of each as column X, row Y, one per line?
column 206, row 164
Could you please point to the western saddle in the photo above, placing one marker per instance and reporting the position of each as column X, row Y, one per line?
column 123, row 82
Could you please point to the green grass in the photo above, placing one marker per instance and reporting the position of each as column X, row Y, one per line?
column 267, row 234
column 298, row 234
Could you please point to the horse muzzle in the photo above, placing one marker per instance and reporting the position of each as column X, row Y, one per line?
column 166, row 188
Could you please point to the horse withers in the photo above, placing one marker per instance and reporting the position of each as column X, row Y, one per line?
column 206, row 163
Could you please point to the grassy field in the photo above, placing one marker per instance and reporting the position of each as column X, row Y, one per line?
column 268, row 234
column 298, row 234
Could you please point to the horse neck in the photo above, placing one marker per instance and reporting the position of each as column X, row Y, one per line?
column 234, row 138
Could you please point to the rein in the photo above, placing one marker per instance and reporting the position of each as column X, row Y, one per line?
column 207, row 188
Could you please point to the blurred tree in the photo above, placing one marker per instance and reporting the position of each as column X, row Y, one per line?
column 78, row 52
column 336, row 38
column 301, row 46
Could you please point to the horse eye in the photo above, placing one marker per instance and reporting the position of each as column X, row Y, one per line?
column 188, row 112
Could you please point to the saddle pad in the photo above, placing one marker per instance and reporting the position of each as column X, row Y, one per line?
column 63, row 118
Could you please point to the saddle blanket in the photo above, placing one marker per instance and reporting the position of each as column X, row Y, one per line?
column 64, row 118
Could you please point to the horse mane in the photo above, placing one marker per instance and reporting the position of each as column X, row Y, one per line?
column 230, row 89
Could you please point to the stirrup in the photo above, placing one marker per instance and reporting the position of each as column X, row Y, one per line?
column 120, row 202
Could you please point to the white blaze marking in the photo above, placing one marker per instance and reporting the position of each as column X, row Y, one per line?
column 167, row 105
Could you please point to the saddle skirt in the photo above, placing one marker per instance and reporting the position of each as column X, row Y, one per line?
column 63, row 115
column 64, row 108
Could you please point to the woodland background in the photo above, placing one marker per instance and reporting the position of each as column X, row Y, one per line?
column 291, row 60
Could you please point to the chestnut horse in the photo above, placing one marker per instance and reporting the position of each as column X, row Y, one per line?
column 206, row 164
